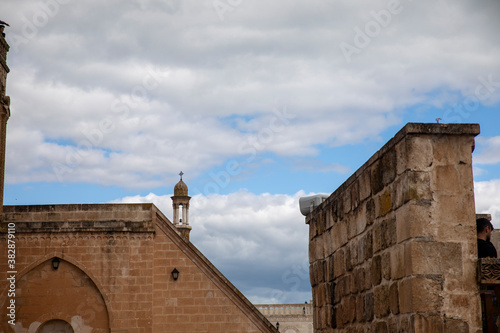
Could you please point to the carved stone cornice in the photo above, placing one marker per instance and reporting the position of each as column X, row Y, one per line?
column 488, row 271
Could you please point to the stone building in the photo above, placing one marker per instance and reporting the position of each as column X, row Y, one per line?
column 109, row 267
column 289, row 318
column 394, row 249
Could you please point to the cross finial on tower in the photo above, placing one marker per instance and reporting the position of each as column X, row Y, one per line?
column 180, row 174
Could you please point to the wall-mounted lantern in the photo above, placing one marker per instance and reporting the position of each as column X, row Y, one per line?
column 175, row 274
column 278, row 325
column 55, row 263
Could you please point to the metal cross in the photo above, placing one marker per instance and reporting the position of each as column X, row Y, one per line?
column 180, row 174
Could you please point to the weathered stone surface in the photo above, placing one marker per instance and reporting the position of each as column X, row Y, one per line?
column 376, row 270
column 381, row 294
column 412, row 221
column 339, row 263
column 364, row 186
column 428, row 324
column 385, row 203
column 456, row 326
column 369, row 307
column 419, row 153
column 388, row 165
column 418, row 294
column 433, row 258
column 394, row 298
column 370, row 211
column 376, row 181
column 379, row 327
column 402, row 236
column 386, row 265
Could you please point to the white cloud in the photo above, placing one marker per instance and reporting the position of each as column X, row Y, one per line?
column 487, row 198
column 489, row 150
column 87, row 56
column 259, row 242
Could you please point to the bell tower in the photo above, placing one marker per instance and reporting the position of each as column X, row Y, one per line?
column 4, row 108
column 180, row 204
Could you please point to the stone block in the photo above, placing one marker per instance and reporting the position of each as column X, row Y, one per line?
column 354, row 252
column 434, row 258
column 330, row 287
column 376, row 270
column 329, row 270
column 386, row 265
column 360, row 308
column 348, row 259
column 355, row 200
column 360, row 218
column 312, row 250
column 428, row 324
column 420, row 294
column 446, row 179
column 352, row 227
column 335, row 237
column 368, row 276
column 385, row 203
column 342, row 232
column 452, row 149
column 419, row 152
column 456, row 326
column 369, row 307
column 321, row 295
column 393, row 325
column 370, row 211
column 313, row 275
column 419, row 187
column 388, row 163
column 346, row 196
column 390, row 232
column 381, row 294
column 456, row 216
column 394, row 298
column 339, row 263
column 364, row 185
column 414, row 221
column 376, row 181
column 401, row 160
column 379, row 327
column 351, row 308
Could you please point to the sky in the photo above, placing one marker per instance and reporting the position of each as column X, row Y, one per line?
column 258, row 102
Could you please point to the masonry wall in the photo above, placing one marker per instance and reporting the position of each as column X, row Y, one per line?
column 394, row 248
column 115, row 274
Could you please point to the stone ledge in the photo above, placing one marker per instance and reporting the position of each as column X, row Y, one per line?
column 82, row 226
column 79, row 218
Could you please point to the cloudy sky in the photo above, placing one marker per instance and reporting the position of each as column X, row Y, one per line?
column 257, row 102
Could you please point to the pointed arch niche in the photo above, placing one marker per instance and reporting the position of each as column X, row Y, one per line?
column 48, row 296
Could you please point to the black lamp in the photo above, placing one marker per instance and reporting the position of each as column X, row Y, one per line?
column 278, row 325
column 55, row 263
column 175, row 274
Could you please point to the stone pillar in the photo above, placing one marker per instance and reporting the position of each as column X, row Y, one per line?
column 4, row 111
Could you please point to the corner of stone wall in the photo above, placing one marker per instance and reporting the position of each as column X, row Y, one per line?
column 394, row 247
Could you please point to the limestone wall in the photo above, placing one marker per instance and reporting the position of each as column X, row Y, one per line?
column 394, row 248
column 115, row 274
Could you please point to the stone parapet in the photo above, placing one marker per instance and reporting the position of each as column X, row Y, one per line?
column 394, row 247
column 80, row 217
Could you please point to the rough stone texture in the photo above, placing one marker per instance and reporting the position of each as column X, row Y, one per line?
column 121, row 258
column 400, row 241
